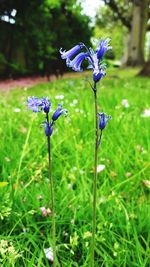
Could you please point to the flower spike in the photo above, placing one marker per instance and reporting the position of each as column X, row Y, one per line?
column 93, row 57
column 43, row 103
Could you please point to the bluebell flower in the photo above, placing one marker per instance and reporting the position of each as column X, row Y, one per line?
column 93, row 58
column 75, row 64
column 33, row 103
column 59, row 111
column 70, row 53
column 97, row 68
column 103, row 119
column 102, row 48
column 38, row 104
column 48, row 128
column 45, row 104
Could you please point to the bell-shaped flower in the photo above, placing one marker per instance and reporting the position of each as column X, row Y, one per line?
column 33, row 103
column 59, row 111
column 103, row 119
column 48, row 129
column 70, row 53
column 102, row 48
column 45, row 104
column 98, row 73
column 75, row 64
column 93, row 58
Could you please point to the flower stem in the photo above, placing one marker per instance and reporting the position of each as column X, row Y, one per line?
column 94, row 178
column 52, row 197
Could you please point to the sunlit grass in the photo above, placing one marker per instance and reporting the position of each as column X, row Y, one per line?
column 122, row 203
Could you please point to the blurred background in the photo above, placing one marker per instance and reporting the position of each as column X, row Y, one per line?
column 31, row 35
column 32, row 32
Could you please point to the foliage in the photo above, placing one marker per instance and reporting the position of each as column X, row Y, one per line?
column 134, row 16
column 107, row 26
column 122, row 10
column 40, row 29
column 123, row 200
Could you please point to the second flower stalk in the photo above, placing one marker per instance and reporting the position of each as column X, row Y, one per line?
column 74, row 60
column 44, row 104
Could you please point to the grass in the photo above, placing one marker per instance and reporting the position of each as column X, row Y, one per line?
column 123, row 221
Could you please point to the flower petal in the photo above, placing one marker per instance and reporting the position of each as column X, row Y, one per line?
column 59, row 111
column 70, row 53
column 75, row 64
column 102, row 48
column 103, row 120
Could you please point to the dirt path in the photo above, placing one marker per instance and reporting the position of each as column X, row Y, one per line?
column 6, row 85
column 9, row 84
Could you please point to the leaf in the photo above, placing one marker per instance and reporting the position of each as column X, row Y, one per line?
column 3, row 184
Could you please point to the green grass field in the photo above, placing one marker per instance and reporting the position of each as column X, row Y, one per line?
column 123, row 217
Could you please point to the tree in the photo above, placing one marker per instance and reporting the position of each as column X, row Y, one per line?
column 134, row 15
column 146, row 69
column 107, row 26
column 41, row 27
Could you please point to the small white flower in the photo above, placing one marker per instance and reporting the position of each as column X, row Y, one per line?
column 81, row 171
column 45, row 212
column 49, row 253
column 75, row 101
column 102, row 199
column 146, row 113
column 115, row 254
column 76, row 110
column 125, row 103
column 59, row 97
column 17, row 110
column 69, row 186
column 128, row 174
column 100, row 168
column 7, row 159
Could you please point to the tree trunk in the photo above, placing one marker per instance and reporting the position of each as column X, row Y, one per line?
column 136, row 38
column 146, row 69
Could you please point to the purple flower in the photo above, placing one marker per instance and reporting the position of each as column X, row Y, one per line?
column 102, row 48
column 93, row 58
column 103, row 119
column 98, row 73
column 75, row 64
column 48, row 129
column 70, row 53
column 45, row 104
column 35, row 103
column 59, row 111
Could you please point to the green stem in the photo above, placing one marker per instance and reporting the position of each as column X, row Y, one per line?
column 94, row 178
column 52, row 197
